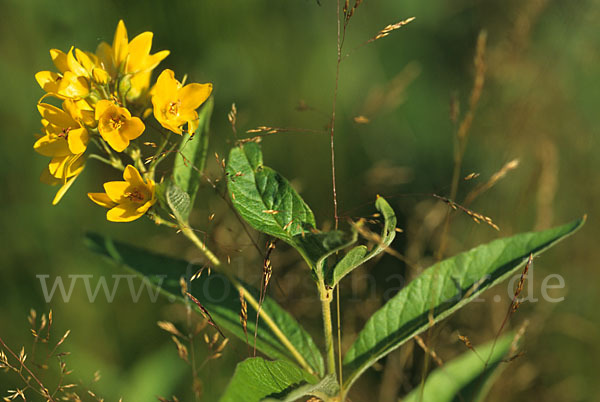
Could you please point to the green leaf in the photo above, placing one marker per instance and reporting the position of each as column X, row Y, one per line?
column 264, row 198
column 358, row 255
column 255, row 379
column 267, row 201
column 179, row 202
column 441, row 290
column 191, row 158
column 328, row 386
column 216, row 293
column 467, row 377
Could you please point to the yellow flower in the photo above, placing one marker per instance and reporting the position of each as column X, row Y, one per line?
column 175, row 105
column 64, row 132
column 64, row 140
column 130, row 58
column 128, row 200
column 67, row 83
column 134, row 57
column 116, row 125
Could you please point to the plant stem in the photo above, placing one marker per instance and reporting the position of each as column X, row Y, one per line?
column 326, row 298
column 328, row 330
column 189, row 233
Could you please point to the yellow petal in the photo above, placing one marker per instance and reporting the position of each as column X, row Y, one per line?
column 63, row 189
column 101, row 199
column 132, row 128
column 75, row 165
column 116, row 190
column 47, row 178
column 48, row 81
column 126, row 212
column 133, row 177
column 166, row 86
column 56, row 116
column 140, row 83
column 193, row 95
column 78, row 140
column 139, row 49
column 53, row 147
column 193, row 124
column 145, row 207
column 102, row 106
column 115, row 140
column 105, row 58
column 154, row 60
column 59, row 58
column 57, row 167
column 120, row 44
column 100, row 75
column 124, row 112
column 72, row 86
column 74, row 65
column 84, row 60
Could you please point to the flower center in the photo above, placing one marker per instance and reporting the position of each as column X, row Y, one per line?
column 116, row 122
column 64, row 132
column 135, row 195
column 173, row 108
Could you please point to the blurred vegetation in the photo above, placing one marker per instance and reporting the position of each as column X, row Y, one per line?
column 539, row 105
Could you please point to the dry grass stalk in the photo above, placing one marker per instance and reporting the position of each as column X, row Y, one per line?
column 349, row 12
column 265, row 131
column 232, row 117
column 496, row 177
column 182, row 350
column 206, row 314
column 170, row 328
column 471, row 176
column 368, row 234
column 244, row 317
column 514, row 305
column 480, row 68
column 31, row 372
column 476, row 216
column 429, row 351
column 390, row 28
column 266, row 278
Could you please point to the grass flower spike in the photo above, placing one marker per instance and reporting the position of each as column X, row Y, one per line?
column 128, row 200
column 116, row 125
column 175, row 105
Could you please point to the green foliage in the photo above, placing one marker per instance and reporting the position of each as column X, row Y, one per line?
column 191, row 158
column 267, row 201
column 467, row 377
column 216, row 293
column 441, row 290
column 179, row 201
column 358, row 255
column 256, row 379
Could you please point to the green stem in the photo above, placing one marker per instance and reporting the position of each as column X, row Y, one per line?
column 158, row 156
column 189, row 233
column 326, row 298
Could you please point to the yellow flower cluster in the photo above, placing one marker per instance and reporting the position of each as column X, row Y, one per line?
column 103, row 98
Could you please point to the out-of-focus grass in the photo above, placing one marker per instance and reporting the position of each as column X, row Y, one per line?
column 539, row 105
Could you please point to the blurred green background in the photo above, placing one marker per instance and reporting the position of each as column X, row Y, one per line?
column 539, row 104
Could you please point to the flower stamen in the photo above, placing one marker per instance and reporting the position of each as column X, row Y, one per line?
column 134, row 196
